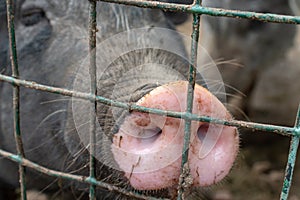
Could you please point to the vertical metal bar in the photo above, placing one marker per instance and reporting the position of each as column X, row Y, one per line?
column 16, row 93
column 92, row 71
column 291, row 160
column 184, row 174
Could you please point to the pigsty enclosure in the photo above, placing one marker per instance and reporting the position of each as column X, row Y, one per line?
column 197, row 10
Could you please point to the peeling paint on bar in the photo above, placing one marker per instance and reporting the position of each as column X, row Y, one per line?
column 197, row 9
column 290, row 166
column 93, row 75
column 16, row 93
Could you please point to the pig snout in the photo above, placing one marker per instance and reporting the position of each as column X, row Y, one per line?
column 148, row 147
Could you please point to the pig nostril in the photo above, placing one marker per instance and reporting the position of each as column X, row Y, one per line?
column 149, row 137
column 202, row 130
column 150, row 133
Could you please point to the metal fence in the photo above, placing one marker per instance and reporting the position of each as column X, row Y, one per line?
column 197, row 10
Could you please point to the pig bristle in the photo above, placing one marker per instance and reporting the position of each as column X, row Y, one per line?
column 236, row 110
column 230, row 62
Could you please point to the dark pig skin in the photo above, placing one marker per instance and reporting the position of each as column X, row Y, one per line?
column 252, row 47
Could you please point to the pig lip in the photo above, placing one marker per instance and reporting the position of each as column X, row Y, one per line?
column 154, row 163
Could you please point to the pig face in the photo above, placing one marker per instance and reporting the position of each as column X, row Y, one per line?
column 133, row 64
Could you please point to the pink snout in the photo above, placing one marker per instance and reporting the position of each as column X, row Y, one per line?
column 148, row 147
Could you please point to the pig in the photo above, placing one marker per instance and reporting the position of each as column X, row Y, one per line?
column 253, row 48
column 140, row 59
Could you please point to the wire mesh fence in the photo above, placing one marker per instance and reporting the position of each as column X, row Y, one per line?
column 197, row 10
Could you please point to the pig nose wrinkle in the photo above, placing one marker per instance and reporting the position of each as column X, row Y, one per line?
column 118, row 122
column 149, row 137
column 142, row 91
column 149, row 133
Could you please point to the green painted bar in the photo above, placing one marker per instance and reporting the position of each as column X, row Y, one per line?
column 93, row 75
column 196, row 9
column 265, row 17
column 189, row 109
column 287, row 182
column 286, row 131
column 290, row 168
column 16, row 93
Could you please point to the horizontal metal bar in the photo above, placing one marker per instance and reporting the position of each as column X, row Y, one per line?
column 287, row 131
column 83, row 179
column 197, row 9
